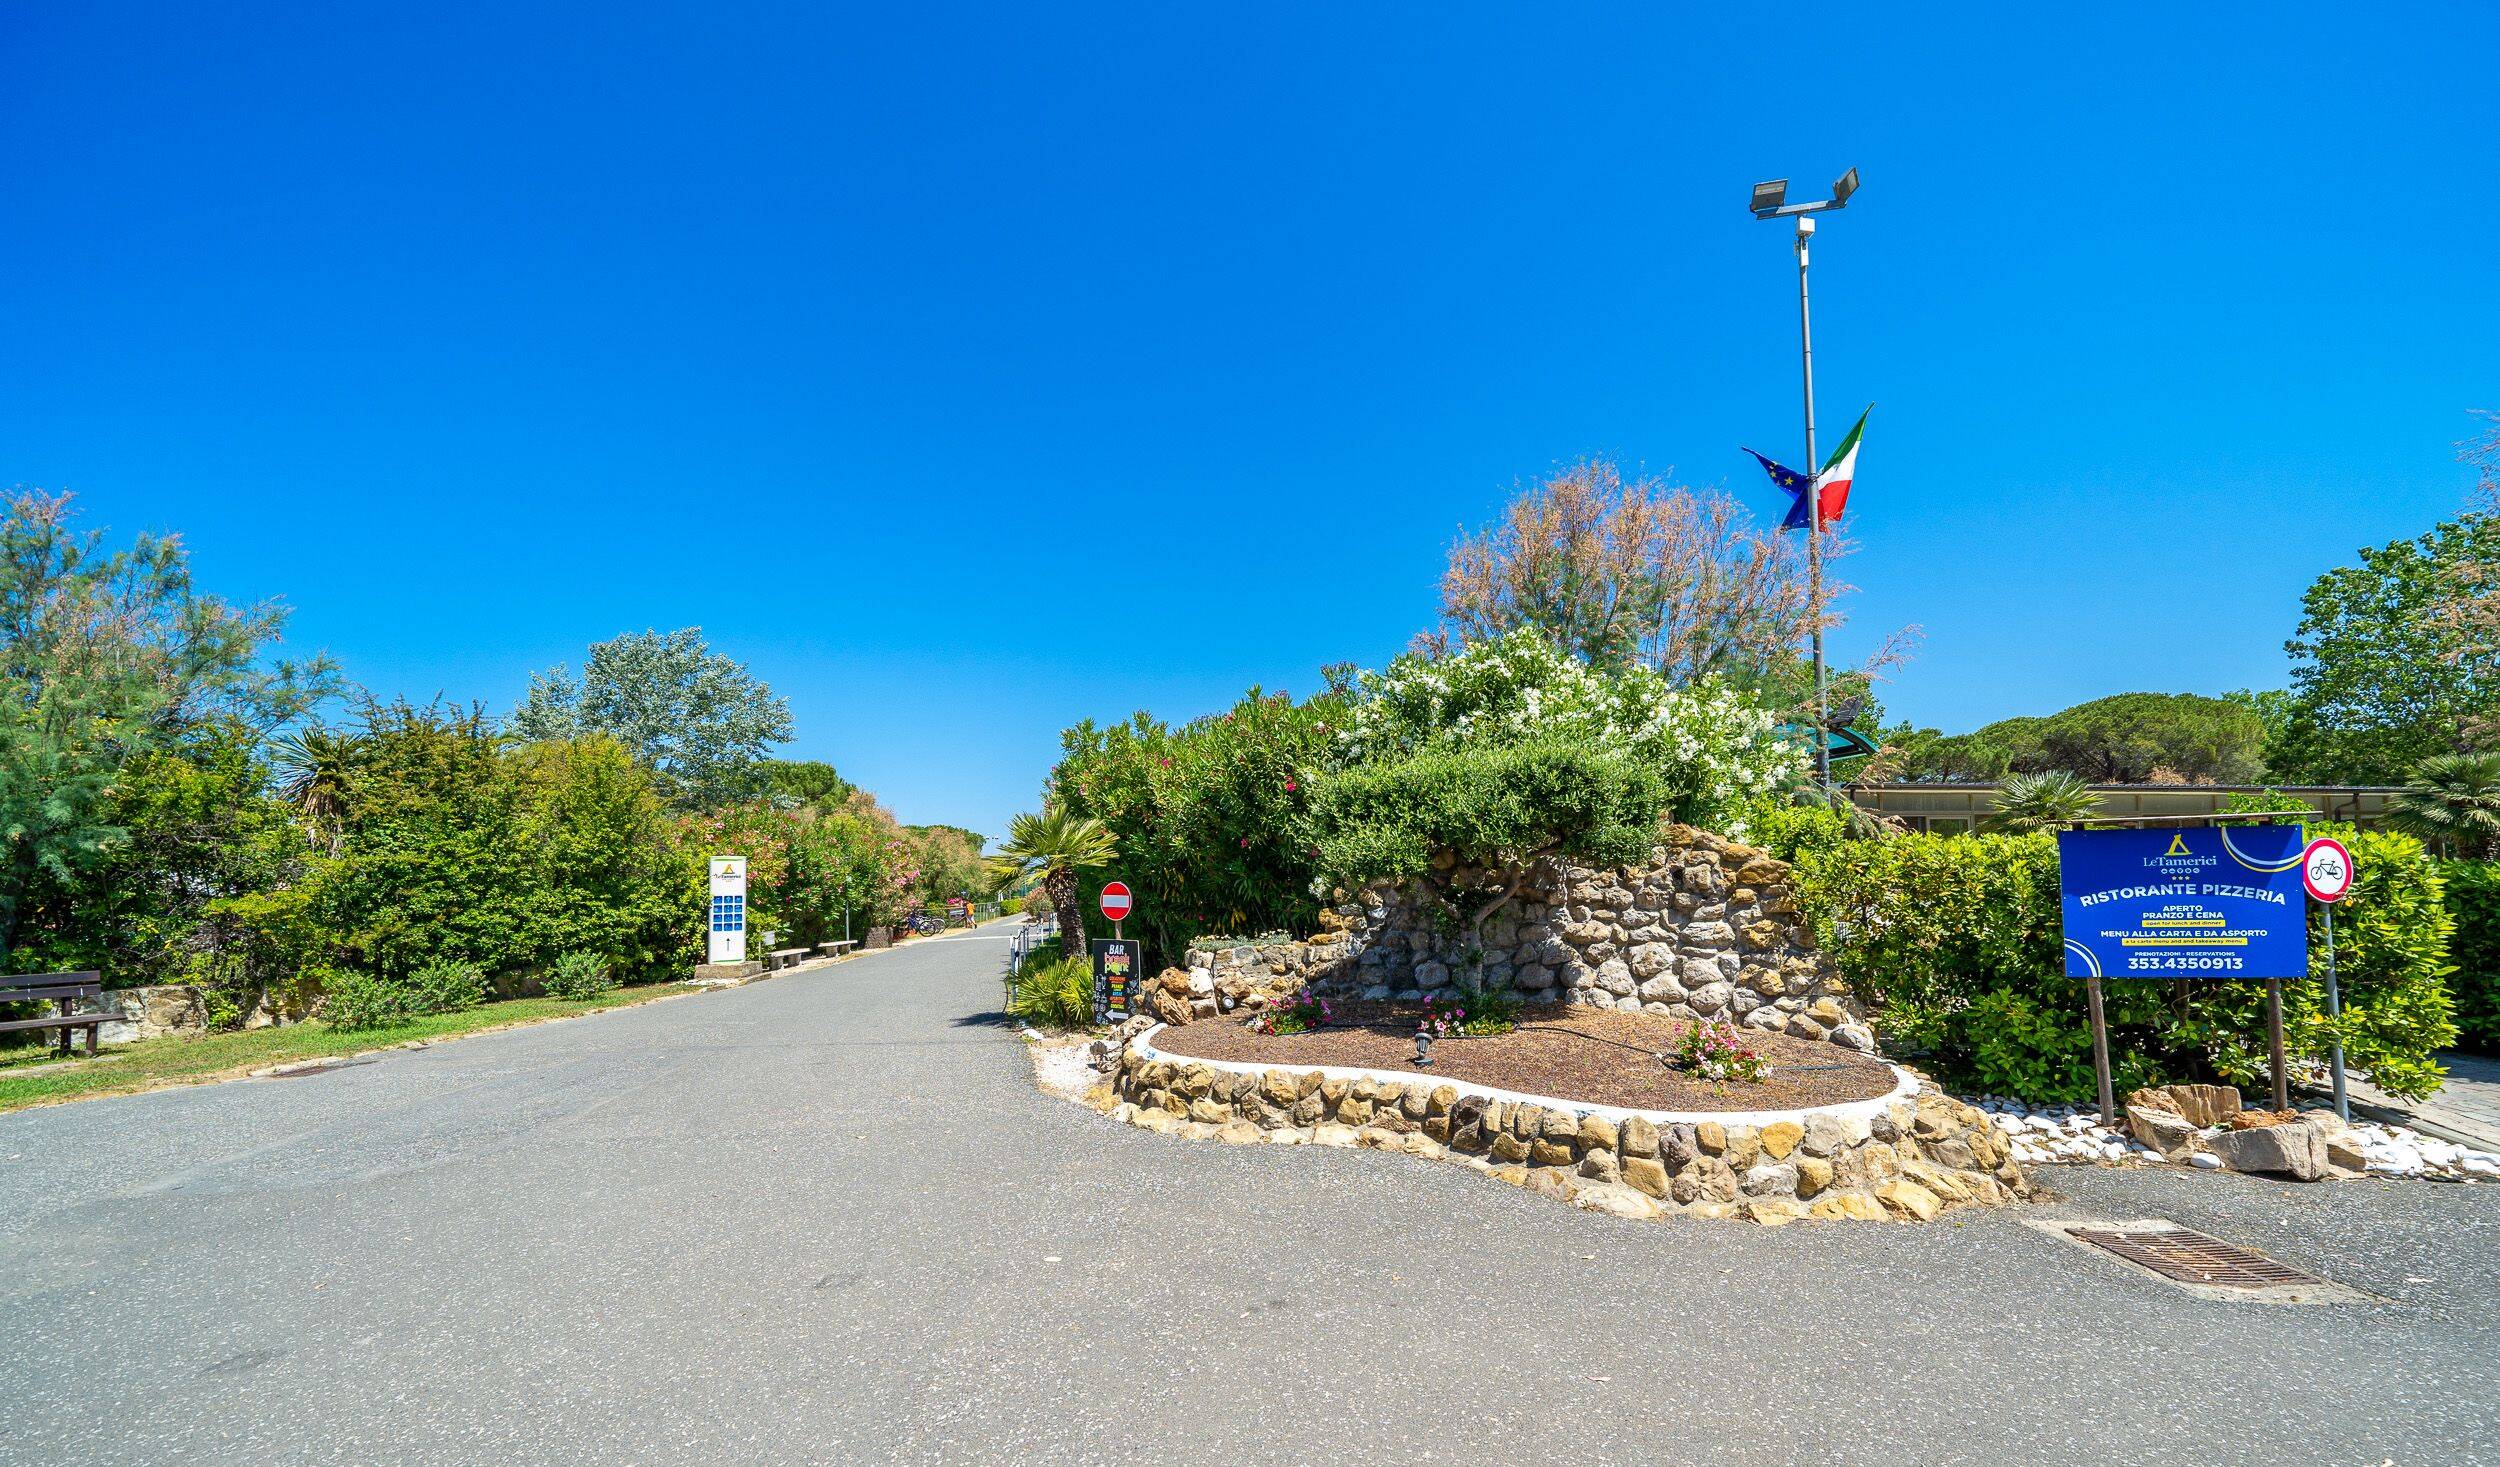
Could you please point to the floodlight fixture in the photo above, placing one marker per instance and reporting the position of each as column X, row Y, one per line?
column 1844, row 187
column 1767, row 197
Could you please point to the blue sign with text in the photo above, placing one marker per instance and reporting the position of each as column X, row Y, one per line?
column 2220, row 902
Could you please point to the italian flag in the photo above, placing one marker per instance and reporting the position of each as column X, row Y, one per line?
column 1838, row 470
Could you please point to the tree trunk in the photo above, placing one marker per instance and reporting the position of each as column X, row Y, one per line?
column 1060, row 887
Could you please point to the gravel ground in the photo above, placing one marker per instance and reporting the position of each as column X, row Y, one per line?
column 829, row 1217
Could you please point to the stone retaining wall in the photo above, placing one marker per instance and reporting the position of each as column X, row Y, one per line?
column 1705, row 929
column 1908, row 1157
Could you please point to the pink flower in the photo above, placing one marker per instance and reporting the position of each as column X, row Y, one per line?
column 1290, row 786
column 1245, row 842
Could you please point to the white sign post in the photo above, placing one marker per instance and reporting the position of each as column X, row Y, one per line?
column 729, row 910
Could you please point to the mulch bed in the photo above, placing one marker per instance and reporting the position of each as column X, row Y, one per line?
column 1602, row 1056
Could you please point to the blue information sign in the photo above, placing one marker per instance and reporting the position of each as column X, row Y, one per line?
column 2218, row 902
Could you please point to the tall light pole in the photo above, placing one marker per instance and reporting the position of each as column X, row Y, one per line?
column 1770, row 201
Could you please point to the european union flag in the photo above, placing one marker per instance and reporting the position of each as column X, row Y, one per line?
column 1795, row 483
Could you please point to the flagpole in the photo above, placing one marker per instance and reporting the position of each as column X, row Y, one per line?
column 1814, row 530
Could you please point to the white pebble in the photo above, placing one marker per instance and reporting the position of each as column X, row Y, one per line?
column 2205, row 1161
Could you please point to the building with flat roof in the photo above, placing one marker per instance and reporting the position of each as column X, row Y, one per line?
column 1945, row 809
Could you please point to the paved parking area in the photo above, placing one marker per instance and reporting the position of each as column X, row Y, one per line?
column 827, row 1218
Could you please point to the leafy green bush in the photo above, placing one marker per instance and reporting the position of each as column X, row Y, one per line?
column 1211, row 819
column 445, row 986
column 580, row 976
column 1954, row 943
column 1498, row 807
column 353, row 1000
column 2473, row 897
column 1057, row 995
column 1787, row 829
column 1709, row 748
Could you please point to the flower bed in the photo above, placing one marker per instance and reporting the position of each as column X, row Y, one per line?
column 1607, row 1057
column 1908, row 1152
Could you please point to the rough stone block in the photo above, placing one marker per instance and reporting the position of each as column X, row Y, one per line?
column 2294, row 1148
column 2203, row 1105
column 1908, row 1199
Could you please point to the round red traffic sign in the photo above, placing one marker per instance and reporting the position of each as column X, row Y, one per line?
column 1115, row 901
column 2326, row 869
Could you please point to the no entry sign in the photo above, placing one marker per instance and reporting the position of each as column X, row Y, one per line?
column 1115, row 901
column 2326, row 869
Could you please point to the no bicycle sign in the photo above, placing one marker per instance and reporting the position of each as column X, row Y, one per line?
column 2326, row 869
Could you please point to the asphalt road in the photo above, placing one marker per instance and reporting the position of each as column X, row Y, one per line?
column 828, row 1218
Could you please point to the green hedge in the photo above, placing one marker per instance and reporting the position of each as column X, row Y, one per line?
column 2474, row 901
column 1954, row 941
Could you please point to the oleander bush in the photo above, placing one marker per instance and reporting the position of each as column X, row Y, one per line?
column 1954, row 943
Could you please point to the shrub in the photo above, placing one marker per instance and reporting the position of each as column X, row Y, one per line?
column 445, row 986
column 1788, row 830
column 580, row 976
column 1954, row 944
column 2474, row 902
column 353, row 1000
column 1211, row 818
column 1499, row 808
column 1710, row 748
column 1054, row 995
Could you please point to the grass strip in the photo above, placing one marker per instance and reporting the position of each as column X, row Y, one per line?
column 192, row 1059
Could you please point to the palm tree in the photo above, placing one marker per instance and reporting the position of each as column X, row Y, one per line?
column 1055, row 846
column 2452, row 802
column 2041, row 802
column 314, row 767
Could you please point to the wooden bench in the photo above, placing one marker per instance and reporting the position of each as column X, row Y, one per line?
column 63, row 991
column 787, row 957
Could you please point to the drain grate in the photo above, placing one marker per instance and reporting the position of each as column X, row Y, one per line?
column 2193, row 1258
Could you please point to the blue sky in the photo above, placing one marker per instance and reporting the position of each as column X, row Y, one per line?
column 968, row 371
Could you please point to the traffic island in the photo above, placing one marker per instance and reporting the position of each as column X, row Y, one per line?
column 1586, row 1111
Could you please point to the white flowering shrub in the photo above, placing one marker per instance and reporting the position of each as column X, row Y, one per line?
column 1713, row 749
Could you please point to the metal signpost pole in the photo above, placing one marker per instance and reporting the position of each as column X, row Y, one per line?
column 2100, row 1051
column 2274, row 1041
column 2334, row 1010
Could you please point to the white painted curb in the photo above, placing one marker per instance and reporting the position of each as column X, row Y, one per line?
column 1845, row 1111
